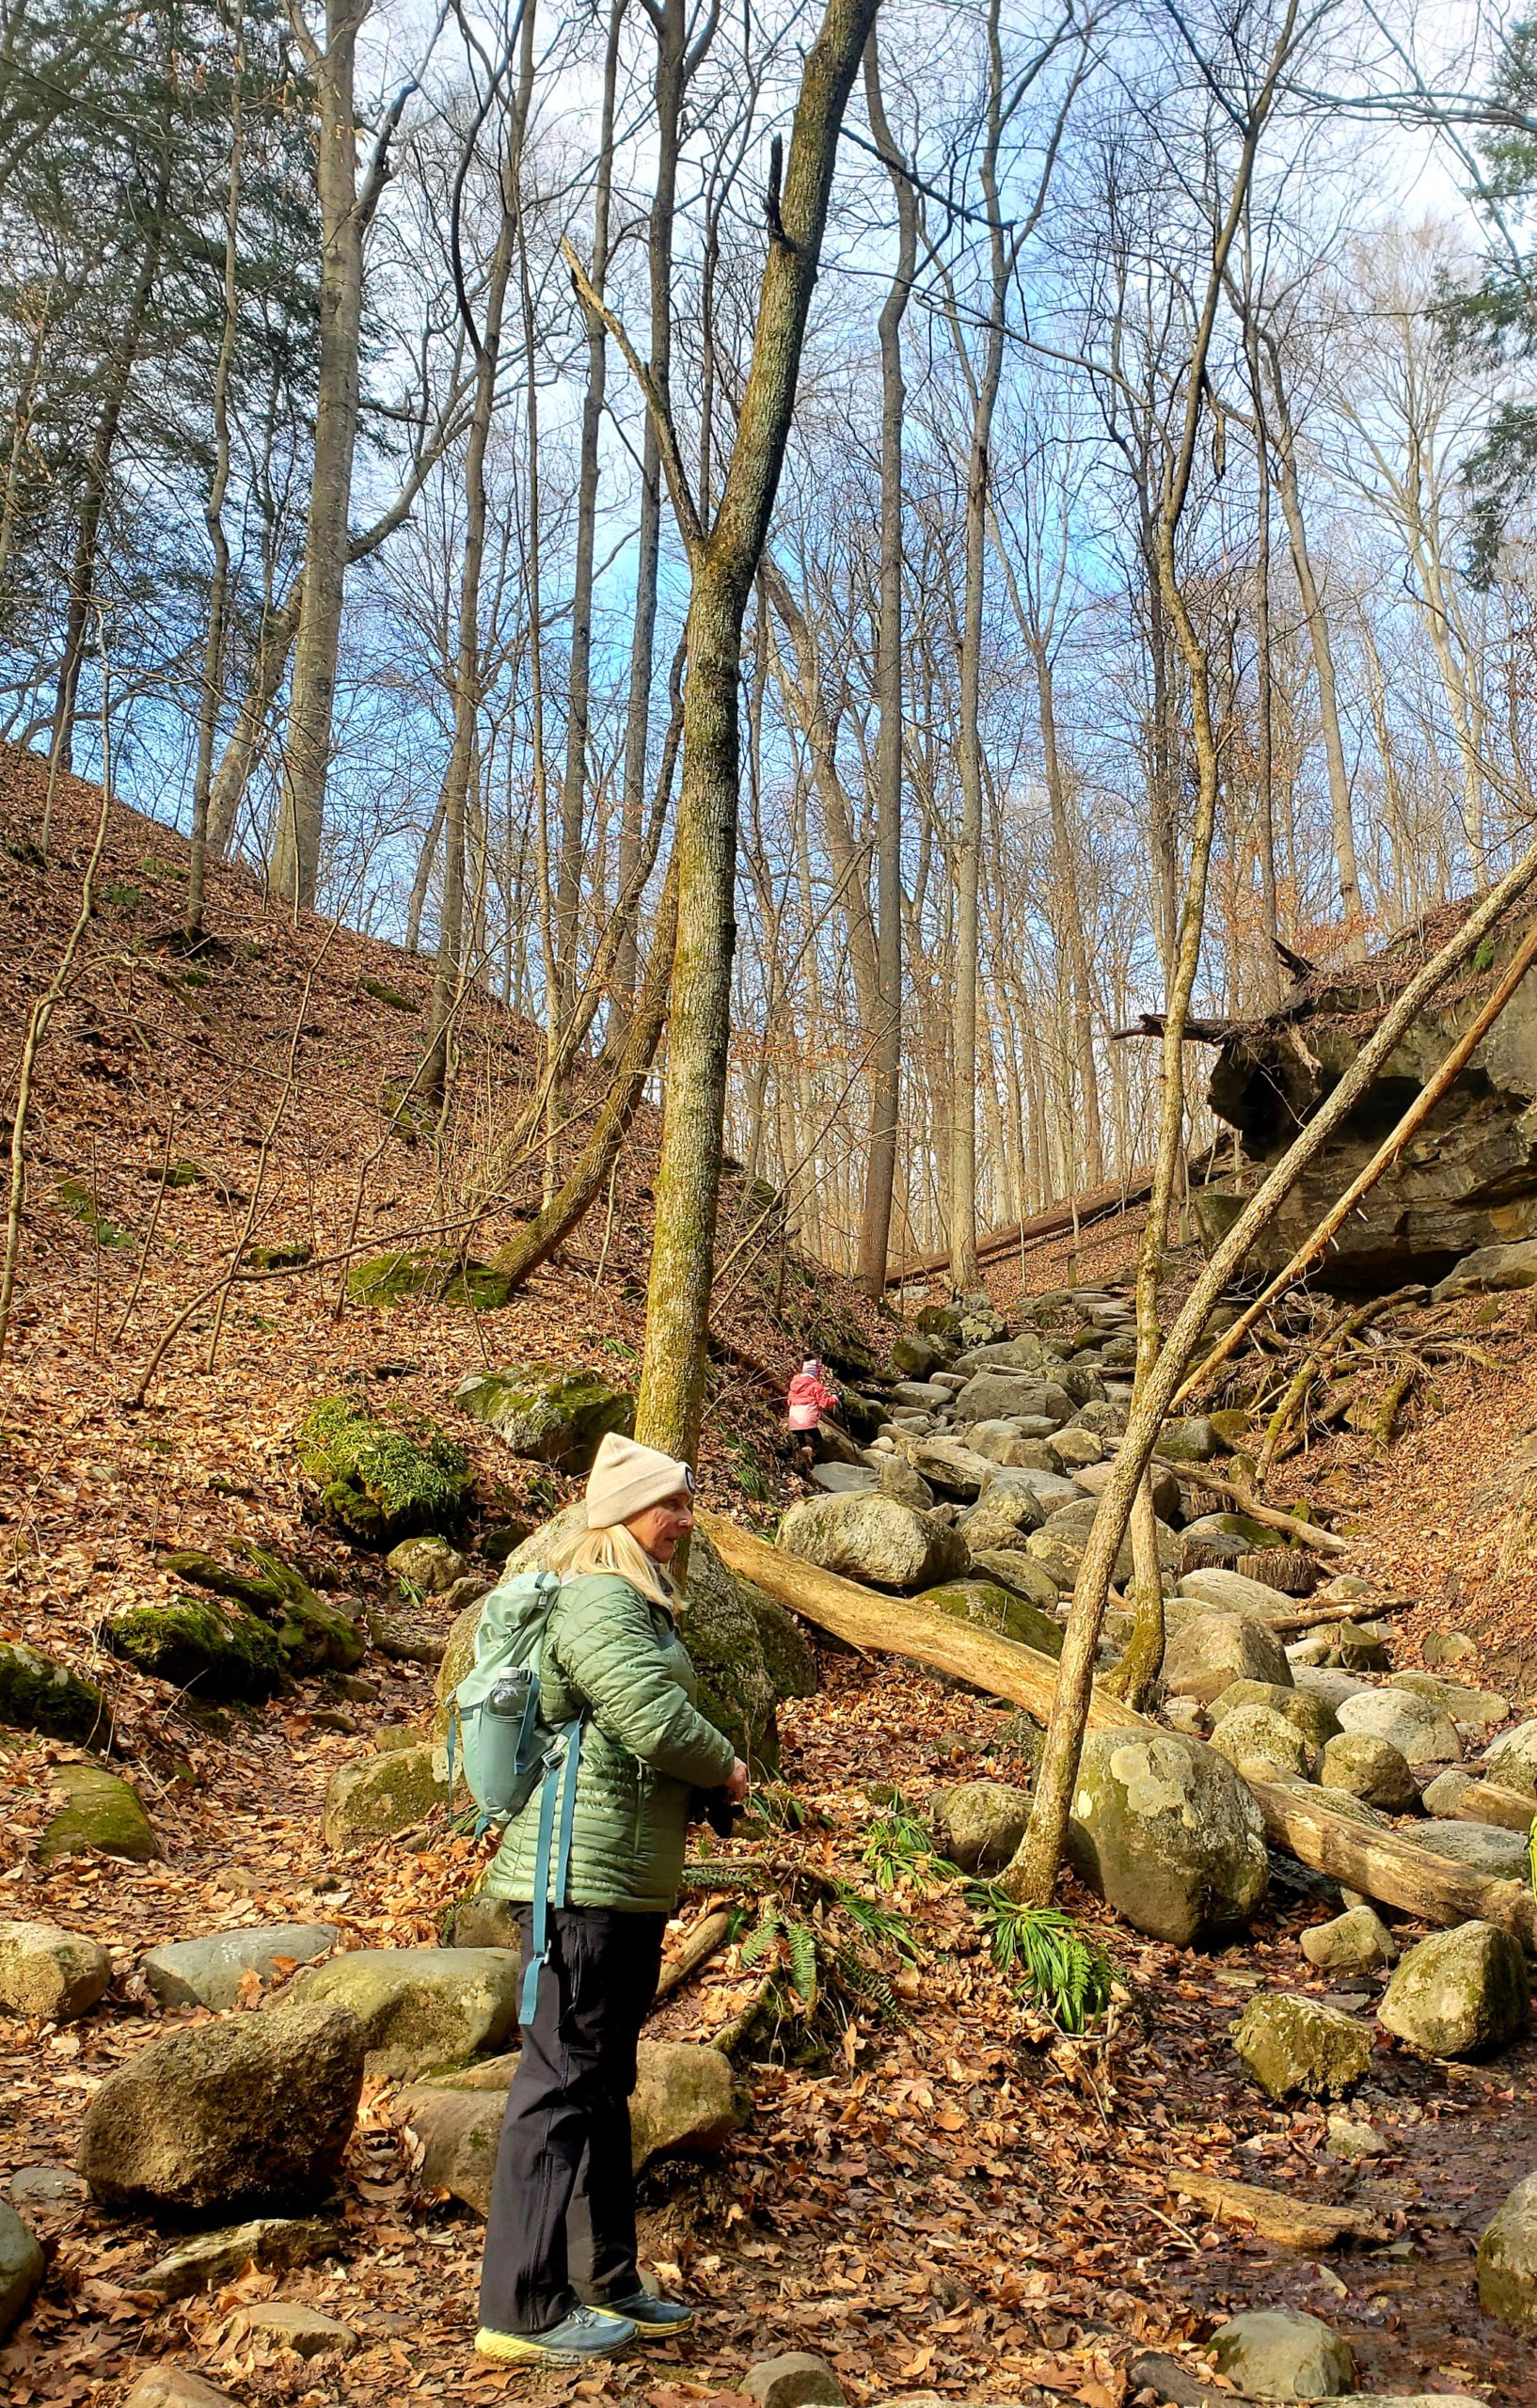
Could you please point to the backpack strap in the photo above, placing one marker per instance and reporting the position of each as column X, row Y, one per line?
column 560, row 1783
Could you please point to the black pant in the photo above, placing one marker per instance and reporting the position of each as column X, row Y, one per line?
column 562, row 2198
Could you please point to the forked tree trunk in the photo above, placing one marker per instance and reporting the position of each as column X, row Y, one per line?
column 723, row 563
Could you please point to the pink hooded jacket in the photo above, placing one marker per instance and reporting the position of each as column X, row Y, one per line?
column 809, row 1396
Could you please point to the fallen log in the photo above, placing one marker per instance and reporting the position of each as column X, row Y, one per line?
column 1298, row 1818
column 1235, row 1492
column 1361, row 1609
column 1489, row 1801
column 697, row 1949
column 1295, row 2224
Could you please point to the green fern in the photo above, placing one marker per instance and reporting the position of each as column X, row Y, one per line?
column 900, row 1847
column 1059, row 1968
column 756, row 1946
column 879, row 1923
column 803, row 1975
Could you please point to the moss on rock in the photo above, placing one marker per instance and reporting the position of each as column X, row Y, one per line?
column 314, row 1635
column 554, row 1413
column 37, row 1694
column 376, row 1479
column 442, row 1278
column 217, row 1648
column 992, row 1607
column 104, row 1816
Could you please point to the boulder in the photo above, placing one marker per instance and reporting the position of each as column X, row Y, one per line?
column 925, row 1395
column 1371, row 1768
column 997, row 1609
column 104, row 1816
column 914, row 1355
column 1508, row 2260
column 1206, row 1655
column 992, row 1396
column 313, row 1633
column 287, row 2324
column 479, row 1920
column 797, row 2380
column 1105, row 1419
column 1483, row 1847
column 253, row 2108
column 1281, row 2353
column 378, row 1477
column 1353, row 2139
column 948, row 1463
column 897, row 1478
column 1190, row 1441
column 845, row 1479
column 1323, row 1681
column 1297, row 2044
column 1420, row 1732
column 1357, row 1942
column 209, row 1646
column 1311, row 1715
column 1084, row 1384
column 1049, row 1488
column 211, row 1972
column 1094, row 1479
column 1490, row 1270
column 979, row 1824
column 873, row 1539
column 46, row 2186
column 429, row 1563
column 1167, row 1834
column 1445, row 1794
column 213, row 2258
column 1482, row 1709
column 165, row 2386
column 1010, row 1568
column 1060, row 1541
column 1234, row 1593
column 554, row 1413
column 1459, row 1992
column 374, row 1796
column 1004, row 1517
column 1512, row 1760
column 419, row 2008
column 1075, row 1449
column 684, row 2102
column 50, row 1975
column 20, row 2268
column 37, row 1694
column 1259, row 1744
column 1029, row 1352
column 1440, row 1647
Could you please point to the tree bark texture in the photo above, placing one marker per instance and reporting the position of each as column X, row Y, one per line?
column 723, row 564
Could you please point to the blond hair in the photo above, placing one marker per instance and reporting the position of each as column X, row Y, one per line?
column 618, row 1552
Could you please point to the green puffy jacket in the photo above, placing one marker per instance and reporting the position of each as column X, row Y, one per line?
column 645, row 1747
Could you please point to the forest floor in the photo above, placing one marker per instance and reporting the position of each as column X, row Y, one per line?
column 964, row 2203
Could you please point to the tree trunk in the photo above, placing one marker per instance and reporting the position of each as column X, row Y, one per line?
column 579, row 687
column 886, row 1059
column 723, row 564
column 450, row 971
column 1322, row 650
column 669, row 21
column 208, row 700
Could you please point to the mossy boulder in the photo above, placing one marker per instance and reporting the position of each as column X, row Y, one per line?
column 104, row 1816
column 746, row 1650
column 419, row 2007
column 314, row 1635
column 1292, row 2045
column 291, row 1255
column 1508, row 2260
column 209, row 1646
column 1460, row 1993
column 554, row 1413
column 381, row 1479
column 441, row 1278
column 380, row 1794
column 37, row 1694
column 1167, row 1834
column 995, row 1609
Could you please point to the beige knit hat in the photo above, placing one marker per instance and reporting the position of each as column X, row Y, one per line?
column 626, row 1477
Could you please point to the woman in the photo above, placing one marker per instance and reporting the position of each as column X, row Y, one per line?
column 560, row 2281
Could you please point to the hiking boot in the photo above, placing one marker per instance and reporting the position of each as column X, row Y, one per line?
column 655, row 2320
column 586, row 2333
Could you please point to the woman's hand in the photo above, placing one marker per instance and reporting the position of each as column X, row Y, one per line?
column 736, row 1787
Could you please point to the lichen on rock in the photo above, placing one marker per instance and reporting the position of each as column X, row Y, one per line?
column 554, row 1413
